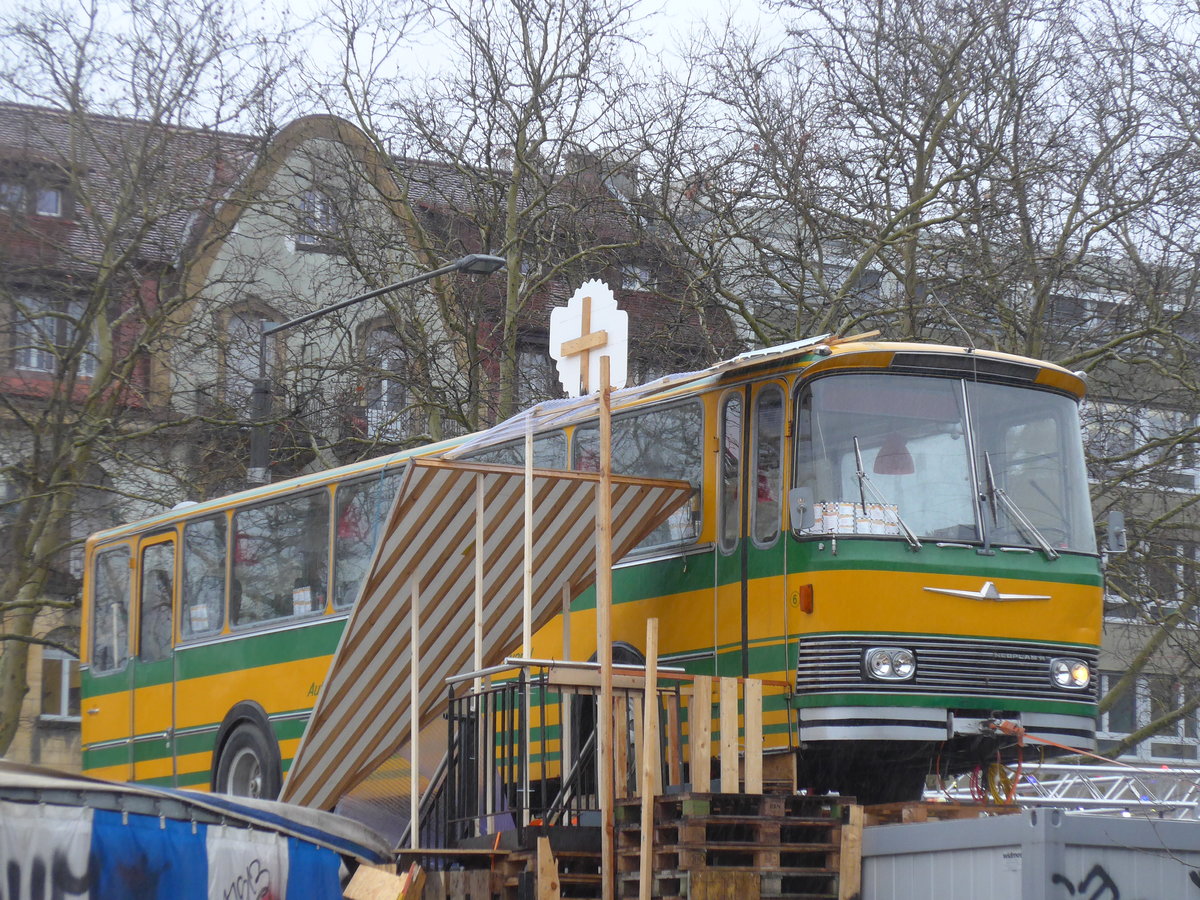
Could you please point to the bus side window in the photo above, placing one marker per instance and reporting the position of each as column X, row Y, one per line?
column 768, row 464
column 361, row 508
column 730, row 473
column 280, row 559
column 110, row 604
column 154, row 625
column 203, row 593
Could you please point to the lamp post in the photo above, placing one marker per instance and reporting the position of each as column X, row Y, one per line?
column 260, row 395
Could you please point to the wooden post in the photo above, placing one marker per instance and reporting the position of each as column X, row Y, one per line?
column 608, row 857
column 850, row 857
column 729, row 736
column 547, row 871
column 527, row 593
column 414, row 720
column 700, row 734
column 651, row 774
column 527, row 607
column 479, row 538
column 481, row 766
column 621, row 748
column 567, row 754
column 674, row 760
column 752, row 694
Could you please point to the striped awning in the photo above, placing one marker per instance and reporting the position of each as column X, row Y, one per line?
column 362, row 716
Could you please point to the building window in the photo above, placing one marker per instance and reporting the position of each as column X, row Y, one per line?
column 49, row 202
column 1151, row 581
column 60, row 685
column 317, row 220
column 34, row 194
column 1151, row 698
column 46, row 336
column 635, row 277
column 389, row 410
column 241, row 348
column 537, row 376
column 1143, row 446
column 12, row 196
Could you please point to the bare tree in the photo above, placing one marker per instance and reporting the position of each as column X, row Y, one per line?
column 510, row 146
column 104, row 180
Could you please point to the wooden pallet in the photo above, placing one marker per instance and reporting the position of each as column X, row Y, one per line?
column 578, row 873
column 788, row 846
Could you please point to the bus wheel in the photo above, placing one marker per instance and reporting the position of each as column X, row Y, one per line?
column 247, row 767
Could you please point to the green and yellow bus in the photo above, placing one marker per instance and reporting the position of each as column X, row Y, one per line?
column 901, row 531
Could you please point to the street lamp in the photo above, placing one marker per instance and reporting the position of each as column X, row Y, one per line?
column 260, row 395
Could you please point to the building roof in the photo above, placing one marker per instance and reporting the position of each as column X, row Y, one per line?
column 180, row 175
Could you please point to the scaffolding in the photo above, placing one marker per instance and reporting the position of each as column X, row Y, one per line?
column 1166, row 792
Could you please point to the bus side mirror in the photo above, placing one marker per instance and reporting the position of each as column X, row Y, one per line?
column 800, row 508
column 1118, row 541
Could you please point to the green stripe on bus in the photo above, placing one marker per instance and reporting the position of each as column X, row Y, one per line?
column 105, row 757
column 896, row 556
column 247, row 651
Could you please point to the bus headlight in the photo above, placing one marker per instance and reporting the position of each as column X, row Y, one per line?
column 890, row 663
column 1072, row 674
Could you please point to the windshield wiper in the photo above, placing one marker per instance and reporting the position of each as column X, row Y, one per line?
column 865, row 483
column 996, row 493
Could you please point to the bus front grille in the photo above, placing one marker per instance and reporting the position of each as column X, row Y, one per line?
column 978, row 668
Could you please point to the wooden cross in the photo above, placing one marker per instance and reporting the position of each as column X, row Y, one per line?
column 587, row 341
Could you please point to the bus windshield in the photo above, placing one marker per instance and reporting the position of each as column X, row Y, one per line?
column 948, row 459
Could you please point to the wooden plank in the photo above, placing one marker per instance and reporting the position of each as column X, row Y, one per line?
column 850, row 856
column 480, row 538
column 604, row 558
column 621, row 746
column 651, row 770
column 752, row 694
column 375, row 883
column 414, row 735
column 636, row 720
column 547, row 871
column 714, row 884
column 700, row 734
column 674, row 751
column 729, row 735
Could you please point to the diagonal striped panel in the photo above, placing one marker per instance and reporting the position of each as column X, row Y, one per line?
column 362, row 715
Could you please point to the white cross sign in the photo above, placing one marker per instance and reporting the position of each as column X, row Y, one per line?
column 588, row 327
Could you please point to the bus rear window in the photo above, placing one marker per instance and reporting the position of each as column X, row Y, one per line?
column 280, row 559
column 110, row 605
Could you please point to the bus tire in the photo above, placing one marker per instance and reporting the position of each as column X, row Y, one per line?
column 247, row 766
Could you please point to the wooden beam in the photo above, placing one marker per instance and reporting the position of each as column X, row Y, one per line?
column 585, row 342
column 700, row 734
column 547, row 871
column 608, row 855
column 752, row 695
column 850, row 857
column 729, row 735
column 651, row 773
column 414, row 733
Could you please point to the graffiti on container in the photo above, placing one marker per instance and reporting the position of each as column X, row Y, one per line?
column 1097, row 880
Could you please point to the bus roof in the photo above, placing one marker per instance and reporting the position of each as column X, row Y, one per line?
column 831, row 350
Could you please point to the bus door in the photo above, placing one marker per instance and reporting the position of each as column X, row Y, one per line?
column 750, row 560
column 153, row 675
column 108, row 709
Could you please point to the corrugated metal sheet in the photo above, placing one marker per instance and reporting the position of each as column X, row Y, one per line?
column 362, row 715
